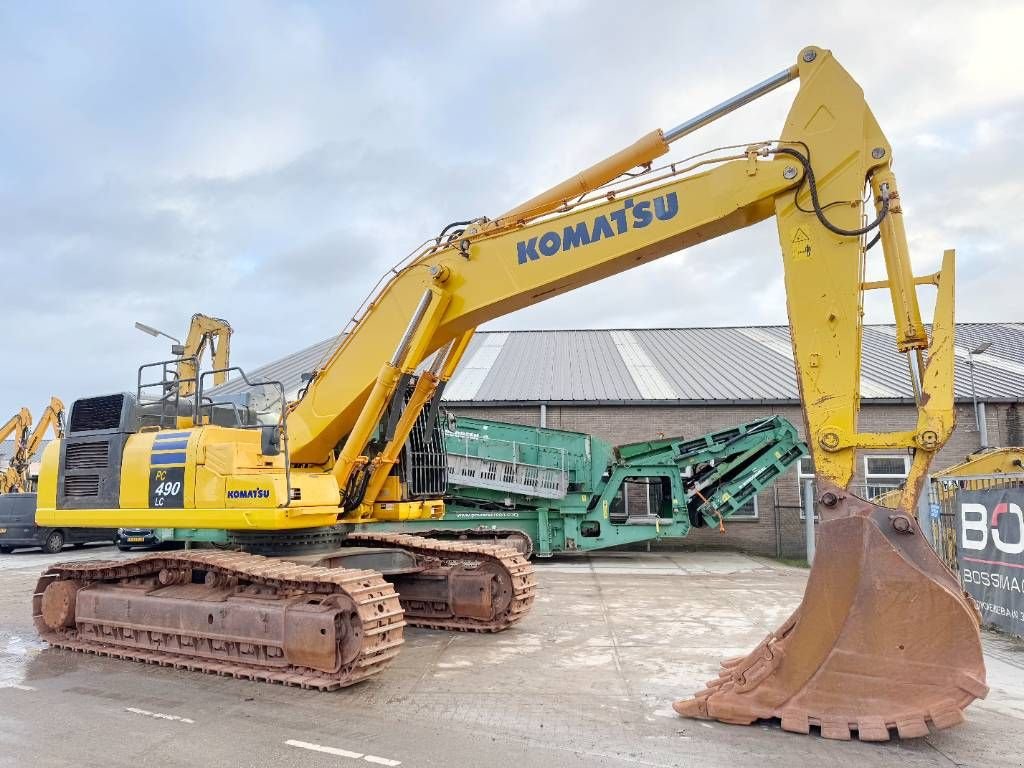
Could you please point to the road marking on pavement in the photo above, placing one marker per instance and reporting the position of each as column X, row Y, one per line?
column 17, row 687
column 381, row 760
column 343, row 753
column 159, row 715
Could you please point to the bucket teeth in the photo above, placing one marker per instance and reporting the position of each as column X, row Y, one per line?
column 911, row 727
column 872, row 729
column 835, row 729
column 697, row 707
column 946, row 716
column 796, row 722
column 883, row 639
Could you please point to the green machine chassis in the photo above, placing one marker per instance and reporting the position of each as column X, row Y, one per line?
column 551, row 491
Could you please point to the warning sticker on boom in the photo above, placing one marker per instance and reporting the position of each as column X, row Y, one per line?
column 800, row 244
column 167, row 487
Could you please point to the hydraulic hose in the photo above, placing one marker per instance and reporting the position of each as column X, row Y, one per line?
column 816, row 204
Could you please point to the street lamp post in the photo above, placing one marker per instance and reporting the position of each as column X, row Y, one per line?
column 176, row 349
column 979, row 419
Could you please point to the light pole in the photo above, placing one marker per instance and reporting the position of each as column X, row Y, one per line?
column 979, row 421
column 176, row 349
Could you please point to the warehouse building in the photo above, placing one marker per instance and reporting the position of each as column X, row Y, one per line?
column 636, row 384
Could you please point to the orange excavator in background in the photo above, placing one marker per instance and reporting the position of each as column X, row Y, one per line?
column 884, row 638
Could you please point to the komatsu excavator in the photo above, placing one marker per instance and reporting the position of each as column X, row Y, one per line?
column 16, row 429
column 884, row 638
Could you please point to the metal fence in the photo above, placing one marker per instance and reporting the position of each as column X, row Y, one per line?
column 937, row 516
column 942, row 507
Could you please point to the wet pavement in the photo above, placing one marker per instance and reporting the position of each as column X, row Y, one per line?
column 587, row 679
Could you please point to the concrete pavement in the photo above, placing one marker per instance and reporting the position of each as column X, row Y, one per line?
column 587, row 679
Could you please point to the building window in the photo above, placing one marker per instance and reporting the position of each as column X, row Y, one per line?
column 883, row 473
column 747, row 512
column 804, row 472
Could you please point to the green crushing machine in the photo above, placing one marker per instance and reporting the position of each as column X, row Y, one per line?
column 548, row 491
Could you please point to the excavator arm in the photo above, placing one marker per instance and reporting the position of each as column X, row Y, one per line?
column 204, row 331
column 52, row 418
column 18, row 425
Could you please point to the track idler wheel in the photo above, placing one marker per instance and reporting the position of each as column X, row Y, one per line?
column 884, row 639
column 59, row 600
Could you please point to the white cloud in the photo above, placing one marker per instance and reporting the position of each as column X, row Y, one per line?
column 266, row 162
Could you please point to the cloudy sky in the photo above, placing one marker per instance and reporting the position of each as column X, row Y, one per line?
column 266, row 162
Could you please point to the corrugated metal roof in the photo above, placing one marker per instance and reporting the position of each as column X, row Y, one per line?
column 646, row 374
column 720, row 363
column 737, row 364
column 288, row 370
column 476, row 364
column 579, row 364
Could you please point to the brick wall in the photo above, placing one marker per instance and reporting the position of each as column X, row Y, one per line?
column 778, row 528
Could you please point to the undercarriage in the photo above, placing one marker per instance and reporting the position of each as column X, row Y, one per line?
column 321, row 620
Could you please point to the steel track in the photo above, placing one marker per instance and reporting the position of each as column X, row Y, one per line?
column 520, row 575
column 376, row 601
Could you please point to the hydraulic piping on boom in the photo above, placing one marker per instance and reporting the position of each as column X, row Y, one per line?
column 884, row 638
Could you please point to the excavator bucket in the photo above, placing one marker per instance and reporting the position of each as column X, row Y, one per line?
column 884, row 638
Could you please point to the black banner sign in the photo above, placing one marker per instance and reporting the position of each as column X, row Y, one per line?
column 990, row 550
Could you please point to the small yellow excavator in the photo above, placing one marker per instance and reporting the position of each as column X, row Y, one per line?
column 26, row 447
column 15, row 428
column 204, row 332
column 884, row 638
column 973, row 473
column 987, row 461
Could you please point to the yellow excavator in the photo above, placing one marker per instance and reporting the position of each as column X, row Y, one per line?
column 204, row 332
column 26, row 447
column 987, row 461
column 884, row 638
column 16, row 429
column 978, row 471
